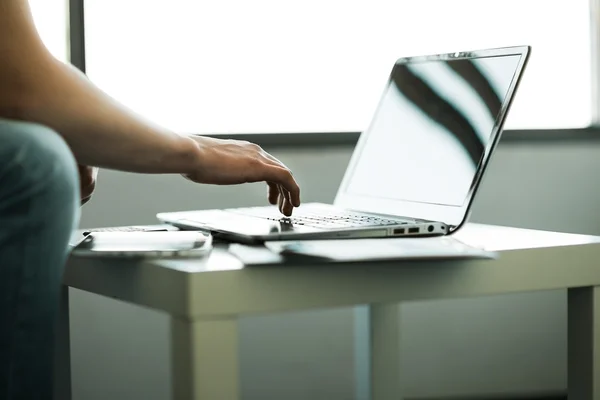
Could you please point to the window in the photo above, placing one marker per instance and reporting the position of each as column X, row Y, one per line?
column 50, row 18
column 267, row 66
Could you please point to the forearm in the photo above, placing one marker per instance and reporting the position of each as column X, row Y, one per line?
column 102, row 132
column 98, row 129
column 36, row 87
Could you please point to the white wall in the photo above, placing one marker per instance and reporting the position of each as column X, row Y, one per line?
column 497, row 346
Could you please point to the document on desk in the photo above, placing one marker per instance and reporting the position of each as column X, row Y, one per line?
column 355, row 250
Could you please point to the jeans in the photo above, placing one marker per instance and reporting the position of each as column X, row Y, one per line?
column 39, row 208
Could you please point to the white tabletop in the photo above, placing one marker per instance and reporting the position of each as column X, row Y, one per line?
column 220, row 285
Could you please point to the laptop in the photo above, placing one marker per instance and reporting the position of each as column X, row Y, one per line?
column 415, row 171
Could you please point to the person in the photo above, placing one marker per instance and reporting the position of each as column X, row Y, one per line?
column 56, row 130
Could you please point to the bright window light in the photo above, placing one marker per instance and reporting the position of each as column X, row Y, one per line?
column 269, row 66
column 50, row 18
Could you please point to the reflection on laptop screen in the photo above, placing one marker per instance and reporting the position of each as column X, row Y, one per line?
column 432, row 128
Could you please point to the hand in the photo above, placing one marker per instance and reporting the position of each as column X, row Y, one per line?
column 229, row 162
column 87, row 182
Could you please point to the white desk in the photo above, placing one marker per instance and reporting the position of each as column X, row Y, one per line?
column 205, row 298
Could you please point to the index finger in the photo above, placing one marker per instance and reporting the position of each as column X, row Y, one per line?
column 283, row 177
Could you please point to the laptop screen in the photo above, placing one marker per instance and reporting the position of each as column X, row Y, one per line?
column 432, row 129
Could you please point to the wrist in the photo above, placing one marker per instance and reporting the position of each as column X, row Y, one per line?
column 188, row 155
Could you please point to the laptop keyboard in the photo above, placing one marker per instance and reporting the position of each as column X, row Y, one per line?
column 325, row 219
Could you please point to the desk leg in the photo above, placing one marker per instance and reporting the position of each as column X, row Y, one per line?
column 584, row 344
column 62, row 349
column 205, row 359
column 384, row 320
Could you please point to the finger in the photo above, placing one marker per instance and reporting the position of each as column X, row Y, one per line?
column 288, row 208
column 87, row 181
column 84, row 181
column 286, row 204
column 87, row 191
column 282, row 165
column 283, row 177
column 288, row 200
column 273, row 193
column 280, row 199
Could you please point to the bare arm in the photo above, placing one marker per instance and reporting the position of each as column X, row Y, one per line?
column 36, row 87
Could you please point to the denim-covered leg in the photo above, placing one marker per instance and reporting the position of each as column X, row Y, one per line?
column 39, row 208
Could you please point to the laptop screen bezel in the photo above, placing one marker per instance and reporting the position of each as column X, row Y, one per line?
column 453, row 216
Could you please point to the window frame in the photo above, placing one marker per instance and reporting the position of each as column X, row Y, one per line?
column 77, row 57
